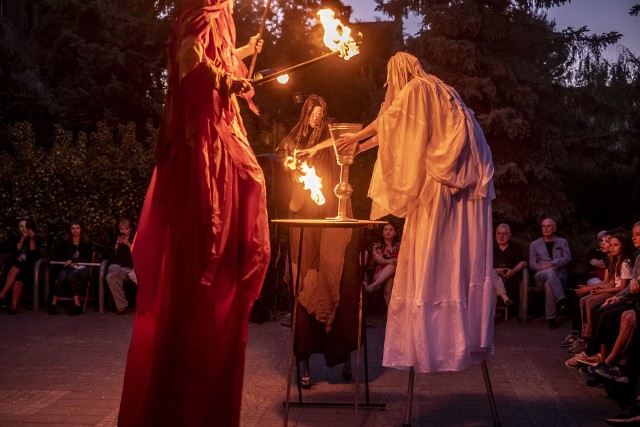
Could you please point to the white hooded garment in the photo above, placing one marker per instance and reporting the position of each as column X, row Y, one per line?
column 434, row 167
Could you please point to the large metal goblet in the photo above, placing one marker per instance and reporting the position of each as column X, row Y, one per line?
column 345, row 158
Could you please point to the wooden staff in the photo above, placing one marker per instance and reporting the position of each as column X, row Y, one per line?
column 255, row 54
column 270, row 77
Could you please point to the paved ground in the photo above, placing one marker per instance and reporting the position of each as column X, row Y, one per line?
column 68, row 371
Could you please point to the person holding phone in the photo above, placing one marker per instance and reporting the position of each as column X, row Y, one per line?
column 122, row 267
column 25, row 254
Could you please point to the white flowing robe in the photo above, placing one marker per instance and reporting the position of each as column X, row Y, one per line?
column 434, row 167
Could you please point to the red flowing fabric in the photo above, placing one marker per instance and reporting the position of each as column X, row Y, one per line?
column 201, row 250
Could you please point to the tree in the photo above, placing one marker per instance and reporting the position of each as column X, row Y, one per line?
column 515, row 69
column 103, row 60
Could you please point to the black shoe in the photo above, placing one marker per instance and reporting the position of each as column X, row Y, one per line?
column 12, row 311
column 562, row 305
column 593, row 380
column 4, row 303
column 553, row 324
column 74, row 310
column 52, row 310
column 629, row 416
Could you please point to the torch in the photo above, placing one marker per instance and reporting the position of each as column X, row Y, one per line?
column 337, row 37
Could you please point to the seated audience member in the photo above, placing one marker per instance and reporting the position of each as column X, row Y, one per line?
column 548, row 260
column 121, row 267
column 598, row 258
column 508, row 262
column 613, row 354
column 73, row 250
column 25, row 253
column 616, row 279
column 606, row 320
column 385, row 256
column 597, row 261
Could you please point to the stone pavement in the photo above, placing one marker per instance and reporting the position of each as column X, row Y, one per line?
column 62, row 370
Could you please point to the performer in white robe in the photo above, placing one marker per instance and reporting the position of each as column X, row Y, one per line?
column 434, row 167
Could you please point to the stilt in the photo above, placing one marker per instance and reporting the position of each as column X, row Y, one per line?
column 407, row 421
column 492, row 401
column 487, row 383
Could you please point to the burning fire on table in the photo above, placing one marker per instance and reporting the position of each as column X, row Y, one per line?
column 307, row 176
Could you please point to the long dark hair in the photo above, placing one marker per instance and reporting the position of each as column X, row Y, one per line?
column 302, row 130
column 396, row 238
column 626, row 255
column 69, row 237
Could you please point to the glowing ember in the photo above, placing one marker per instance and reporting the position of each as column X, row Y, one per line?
column 283, row 79
column 307, row 176
column 337, row 36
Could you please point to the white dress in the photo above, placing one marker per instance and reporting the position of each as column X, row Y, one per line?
column 434, row 167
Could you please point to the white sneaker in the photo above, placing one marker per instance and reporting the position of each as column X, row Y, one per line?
column 588, row 360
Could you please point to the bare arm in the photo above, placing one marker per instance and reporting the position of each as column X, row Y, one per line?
column 250, row 48
column 369, row 131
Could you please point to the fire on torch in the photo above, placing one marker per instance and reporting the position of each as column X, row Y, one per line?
column 337, row 37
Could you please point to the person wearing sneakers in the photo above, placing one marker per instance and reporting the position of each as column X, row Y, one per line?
column 607, row 320
column 548, row 260
column 616, row 279
column 597, row 262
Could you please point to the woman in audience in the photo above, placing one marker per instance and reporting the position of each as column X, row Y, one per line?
column 597, row 261
column 75, row 249
column 616, row 279
column 385, row 256
column 606, row 318
column 25, row 254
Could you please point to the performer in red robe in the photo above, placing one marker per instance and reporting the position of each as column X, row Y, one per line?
column 202, row 246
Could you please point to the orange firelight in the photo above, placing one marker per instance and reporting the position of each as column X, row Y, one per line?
column 337, row 37
column 307, row 176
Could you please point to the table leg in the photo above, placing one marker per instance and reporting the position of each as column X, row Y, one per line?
column 295, row 284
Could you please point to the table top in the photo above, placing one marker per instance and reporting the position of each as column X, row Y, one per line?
column 328, row 223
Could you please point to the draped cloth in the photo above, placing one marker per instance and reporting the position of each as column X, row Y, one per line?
column 202, row 246
column 434, row 167
column 327, row 311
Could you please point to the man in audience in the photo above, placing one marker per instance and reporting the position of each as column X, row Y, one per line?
column 508, row 262
column 121, row 267
column 548, row 260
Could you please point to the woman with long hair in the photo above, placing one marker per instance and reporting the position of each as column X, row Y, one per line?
column 73, row 250
column 327, row 316
column 616, row 279
column 25, row 253
column 385, row 256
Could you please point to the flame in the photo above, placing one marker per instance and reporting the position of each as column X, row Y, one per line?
column 337, row 36
column 307, row 176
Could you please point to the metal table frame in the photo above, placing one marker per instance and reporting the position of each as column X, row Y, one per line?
column 329, row 223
